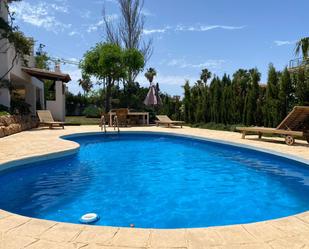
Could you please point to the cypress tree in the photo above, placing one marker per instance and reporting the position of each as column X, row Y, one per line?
column 272, row 101
column 187, row 102
column 301, row 82
column 250, row 111
column 204, row 77
column 197, row 98
column 240, row 87
column 215, row 99
column 227, row 111
column 285, row 93
column 261, row 115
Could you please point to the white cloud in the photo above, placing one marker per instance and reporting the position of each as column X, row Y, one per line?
column 195, row 28
column 97, row 25
column 182, row 63
column 41, row 15
column 112, row 17
column 75, row 74
column 73, row 33
column 153, row 31
column 86, row 14
column 147, row 12
column 177, row 80
column 283, row 43
column 60, row 8
column 204, row 28
column 169, row 80
column 105, row 1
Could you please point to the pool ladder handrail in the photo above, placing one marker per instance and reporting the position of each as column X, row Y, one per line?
column 103, row 123
column 116, row 123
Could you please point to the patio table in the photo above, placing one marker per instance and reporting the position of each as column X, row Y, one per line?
column 144, row 115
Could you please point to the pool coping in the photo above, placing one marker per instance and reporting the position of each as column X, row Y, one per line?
column 267, row 151
column 282, row 231
column 54, row 155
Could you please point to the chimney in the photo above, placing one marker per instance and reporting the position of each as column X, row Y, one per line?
column 57, row 67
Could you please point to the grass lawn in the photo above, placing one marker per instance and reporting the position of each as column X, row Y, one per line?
column 4, row 113
column 81, row 120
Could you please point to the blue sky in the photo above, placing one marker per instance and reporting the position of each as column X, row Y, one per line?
column 221, row 35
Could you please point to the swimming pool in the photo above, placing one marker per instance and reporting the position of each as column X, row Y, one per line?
column 158, row 181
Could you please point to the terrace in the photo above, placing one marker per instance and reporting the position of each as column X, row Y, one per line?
column 298, row 63
column 150, row 187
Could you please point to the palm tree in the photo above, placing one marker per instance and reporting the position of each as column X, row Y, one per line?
column 205, row 75
column 150, row 74
column 86, row 84
column 302, row 46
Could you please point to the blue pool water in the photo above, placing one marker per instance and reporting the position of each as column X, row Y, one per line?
column 158, row 181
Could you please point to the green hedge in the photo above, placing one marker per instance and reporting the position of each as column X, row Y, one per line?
column 92, row 112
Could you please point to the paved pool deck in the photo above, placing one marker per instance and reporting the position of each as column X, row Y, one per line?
column 24, row 232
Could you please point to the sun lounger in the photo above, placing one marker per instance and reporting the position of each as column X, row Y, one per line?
column 165, row 120
column 46, row 119
column 294, row 125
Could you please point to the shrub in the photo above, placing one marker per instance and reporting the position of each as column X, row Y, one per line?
column 2, row 113
column 19, row 106
column 4, row 109
column 92, row 112
column 216, row 126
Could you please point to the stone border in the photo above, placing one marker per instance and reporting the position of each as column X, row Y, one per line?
column 19, row 162
column 18, row 231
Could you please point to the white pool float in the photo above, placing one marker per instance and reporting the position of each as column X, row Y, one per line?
column 89, row 218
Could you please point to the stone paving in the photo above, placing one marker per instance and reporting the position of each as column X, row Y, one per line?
column 23, row 232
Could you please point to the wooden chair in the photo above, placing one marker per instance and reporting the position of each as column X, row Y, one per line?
column 46, row 119
column 292, row 126
column 165, row 120
column 122, row 117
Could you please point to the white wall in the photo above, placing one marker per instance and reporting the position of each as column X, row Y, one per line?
column 57, row 107
column 5, row 97
column 31, row 97
column 3, row 10
column 16, row 75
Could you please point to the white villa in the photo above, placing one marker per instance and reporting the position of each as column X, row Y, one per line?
column 28, row 81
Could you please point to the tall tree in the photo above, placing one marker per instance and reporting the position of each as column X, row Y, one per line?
column 134, row 62
column 187, row 102
column 285, row 93
column 205, row 75
column 198, row 101
column 215, row 95
column 261, row 110
column 301, row 83
column 85, row 83
column 272, row 98
column 302, row 46
column 42, row 60
column 252, row 96
column 241, row 79
column 105, row 62
column 203, row 114
column 227, row 100
column 128, row 32
column 150, row 74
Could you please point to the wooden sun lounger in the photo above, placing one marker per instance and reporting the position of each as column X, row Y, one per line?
column 46, row 119
column 292, row 126
column 165, row 120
